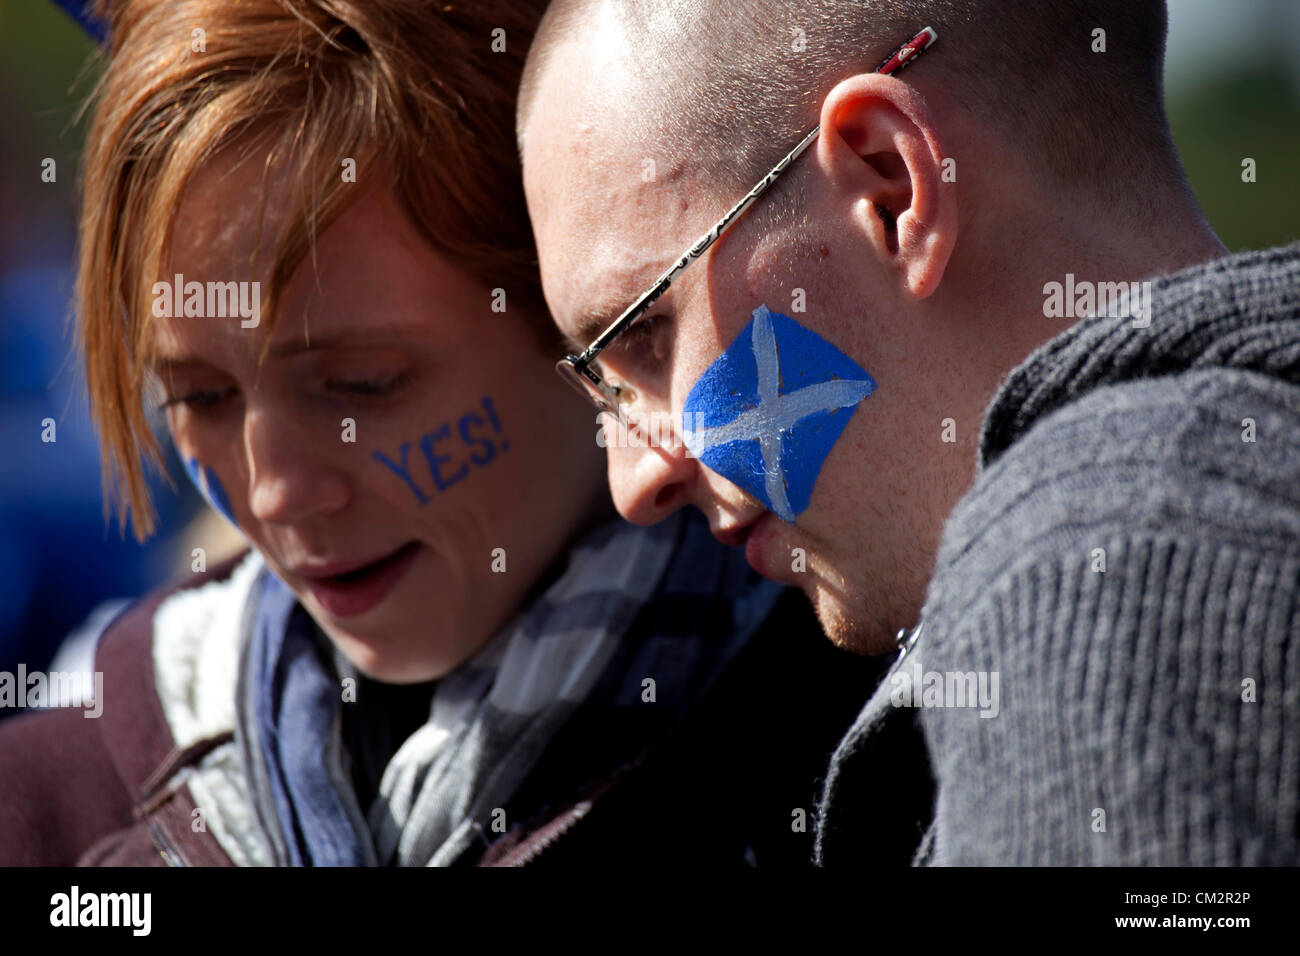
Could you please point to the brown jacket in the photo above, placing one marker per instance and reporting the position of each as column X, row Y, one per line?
column 725, row 787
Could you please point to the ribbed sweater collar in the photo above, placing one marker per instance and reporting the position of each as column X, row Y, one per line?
column 1241, row 311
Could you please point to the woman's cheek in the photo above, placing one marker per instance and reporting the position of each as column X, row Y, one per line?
column 433, row 463
column 210, row 487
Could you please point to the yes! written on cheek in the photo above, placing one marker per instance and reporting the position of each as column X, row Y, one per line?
column 449, row 452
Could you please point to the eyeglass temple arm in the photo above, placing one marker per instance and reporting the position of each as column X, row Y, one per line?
column 900, row 58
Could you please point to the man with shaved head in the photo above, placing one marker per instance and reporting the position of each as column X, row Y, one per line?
column 969, row 367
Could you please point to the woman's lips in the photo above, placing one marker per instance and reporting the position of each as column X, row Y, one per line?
column 357, row 591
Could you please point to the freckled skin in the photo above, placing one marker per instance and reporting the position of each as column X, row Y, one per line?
column 301, row 495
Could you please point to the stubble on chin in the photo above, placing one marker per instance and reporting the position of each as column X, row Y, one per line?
column 853, row 617
column 849, row 629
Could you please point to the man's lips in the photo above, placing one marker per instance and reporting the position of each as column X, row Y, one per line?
column 756, row 535
column 350, row 588
column 760, row 545
column 737, row 533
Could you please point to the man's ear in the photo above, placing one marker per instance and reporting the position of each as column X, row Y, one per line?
column 880, row 150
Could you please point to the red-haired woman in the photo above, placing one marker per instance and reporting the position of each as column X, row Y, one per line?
column 303, row 239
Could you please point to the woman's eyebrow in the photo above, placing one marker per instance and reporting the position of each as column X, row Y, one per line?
column 342, row 338
column 353, row 337
column 389, row 333
column 162, row 365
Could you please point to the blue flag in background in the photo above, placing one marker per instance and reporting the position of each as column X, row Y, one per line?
column 79, row 11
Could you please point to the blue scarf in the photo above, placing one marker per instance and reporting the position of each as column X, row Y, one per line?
column 667, row 601
column 296, row 714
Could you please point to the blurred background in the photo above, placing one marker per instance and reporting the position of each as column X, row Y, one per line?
column 64, row 568
column 1233, row 83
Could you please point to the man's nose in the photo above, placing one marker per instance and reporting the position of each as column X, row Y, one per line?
column 289, row 479
column 649, row 481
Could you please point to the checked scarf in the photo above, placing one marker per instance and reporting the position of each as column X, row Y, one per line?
column 667, row 602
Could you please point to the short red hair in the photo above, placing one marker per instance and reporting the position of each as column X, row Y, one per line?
column 418, row 91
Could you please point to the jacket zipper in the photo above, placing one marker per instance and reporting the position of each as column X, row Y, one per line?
column 166, row 849
column 906, row 640
column 575, row 814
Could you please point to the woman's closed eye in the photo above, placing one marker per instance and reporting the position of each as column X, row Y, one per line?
column 378, row 387
column 209, row 399
column 200, row 399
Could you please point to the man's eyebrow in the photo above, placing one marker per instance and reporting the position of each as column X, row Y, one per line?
column 589, row 326
column 596, row 318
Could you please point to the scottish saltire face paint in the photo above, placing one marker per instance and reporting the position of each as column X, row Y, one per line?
column 209, row 485
column 767, row 413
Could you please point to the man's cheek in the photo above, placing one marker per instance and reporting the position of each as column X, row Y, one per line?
column 766, row 414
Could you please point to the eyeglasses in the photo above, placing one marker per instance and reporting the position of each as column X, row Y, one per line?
column 580, row 370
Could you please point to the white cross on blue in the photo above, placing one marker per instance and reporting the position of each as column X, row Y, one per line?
column 769, row 410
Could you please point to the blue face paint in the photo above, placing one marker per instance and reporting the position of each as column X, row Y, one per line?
column 449, row 452
column 766, row 414
column 205, row 479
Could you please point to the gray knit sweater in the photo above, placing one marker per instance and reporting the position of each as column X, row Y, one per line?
column 1125, row 573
